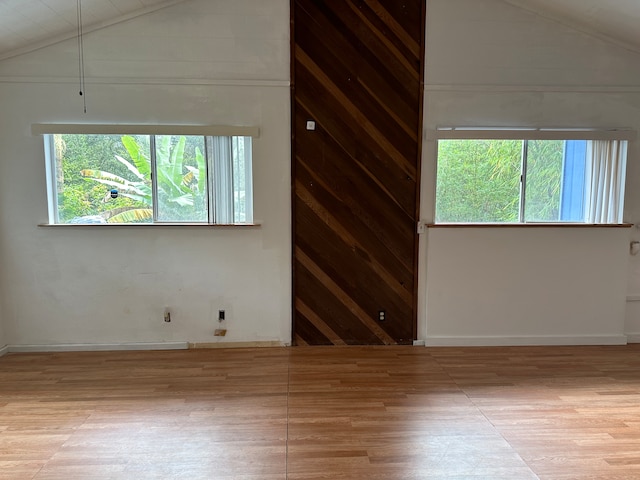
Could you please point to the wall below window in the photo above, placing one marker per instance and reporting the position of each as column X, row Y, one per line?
column 524, row 285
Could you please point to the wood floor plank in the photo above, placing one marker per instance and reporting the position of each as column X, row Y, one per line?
column 307, row 413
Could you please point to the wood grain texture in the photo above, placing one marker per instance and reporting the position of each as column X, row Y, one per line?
column 357, row 69
column 195, row 415
column 301, row 413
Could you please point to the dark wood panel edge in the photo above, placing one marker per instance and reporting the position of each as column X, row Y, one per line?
column 292, row 112
column 421, row 112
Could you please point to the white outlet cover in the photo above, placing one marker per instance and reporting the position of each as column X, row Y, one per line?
column 311, row 125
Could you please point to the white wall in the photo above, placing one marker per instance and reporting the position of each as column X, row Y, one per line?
column 492, row 64
column 526, row 285
column 3, row 341
column 3, row 338
column 199, row 62
column 227, row 61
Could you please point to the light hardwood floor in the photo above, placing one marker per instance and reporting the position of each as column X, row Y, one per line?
column 323, row 413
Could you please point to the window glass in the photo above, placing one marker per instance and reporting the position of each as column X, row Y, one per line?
column 242, row 179
column 149, row 178
column 181, row 178
column 478, row 180
column 102, row 178
column 507, row 181
column 574, row 170
column 543, row 180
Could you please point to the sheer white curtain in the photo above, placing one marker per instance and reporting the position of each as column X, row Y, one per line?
column 605, row 172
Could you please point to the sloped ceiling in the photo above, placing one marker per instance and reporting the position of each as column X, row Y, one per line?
column 616, row 21
column 26, row 25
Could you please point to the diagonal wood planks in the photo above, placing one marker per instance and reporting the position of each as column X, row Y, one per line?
column 357, row 73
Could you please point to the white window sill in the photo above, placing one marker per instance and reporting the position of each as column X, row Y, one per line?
column 530, row 225
column 158, row 224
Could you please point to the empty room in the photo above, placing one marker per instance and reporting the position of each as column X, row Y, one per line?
column 319, row 239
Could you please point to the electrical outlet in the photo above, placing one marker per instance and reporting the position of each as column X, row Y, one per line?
column 382, row 315
column 167, row 315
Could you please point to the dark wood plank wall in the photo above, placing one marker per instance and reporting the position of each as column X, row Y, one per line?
column 357, row 73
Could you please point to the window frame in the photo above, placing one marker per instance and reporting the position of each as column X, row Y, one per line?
column 209, row 133
column 522, row 134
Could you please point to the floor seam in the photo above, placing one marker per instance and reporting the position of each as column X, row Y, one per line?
column 479, row 409
column 286, row 441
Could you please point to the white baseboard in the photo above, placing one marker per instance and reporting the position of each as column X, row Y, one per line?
column 633, row 298
column 97, row 347
column 4, row 350
column 557, row 340
column 633, row 337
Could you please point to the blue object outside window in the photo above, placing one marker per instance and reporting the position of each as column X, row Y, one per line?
column 573, row 181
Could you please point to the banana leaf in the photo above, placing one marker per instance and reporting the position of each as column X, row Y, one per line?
column 136, row 215
column 131, row 168
column 126, row 187
column 202, row 171
column 95, row 174
column 185, row 200
column 142, row 163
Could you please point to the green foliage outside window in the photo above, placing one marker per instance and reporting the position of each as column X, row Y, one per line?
column 90, row 167
column 478, row 181
column 544, row 180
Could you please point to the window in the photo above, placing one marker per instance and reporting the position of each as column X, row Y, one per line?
column 507, row 180
column 149, row 178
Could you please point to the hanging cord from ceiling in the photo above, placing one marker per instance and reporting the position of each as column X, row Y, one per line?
column 81, row 57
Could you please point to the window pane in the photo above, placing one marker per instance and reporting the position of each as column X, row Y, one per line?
column 574, row 170
column 98, row 178
column 222, row 152
column 102, row 178
column 242, row 199
column 478, row 180
column 232, row 172
column 181, row 171
column 544, row 179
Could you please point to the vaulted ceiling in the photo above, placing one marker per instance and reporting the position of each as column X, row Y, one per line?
column 26, row 25
column 613, row 20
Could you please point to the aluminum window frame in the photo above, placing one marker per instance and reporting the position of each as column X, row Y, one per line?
column 213, row 161
column 525, row 135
